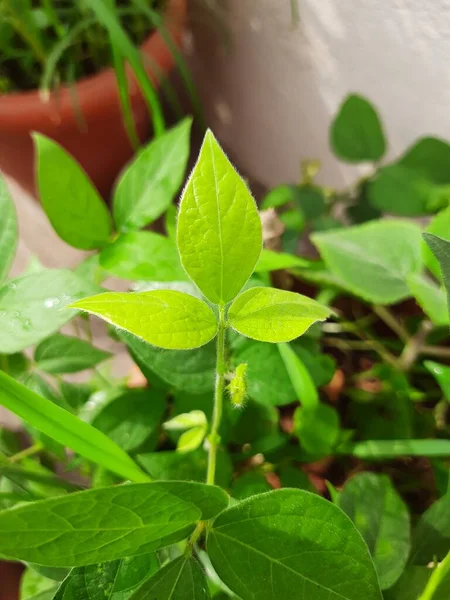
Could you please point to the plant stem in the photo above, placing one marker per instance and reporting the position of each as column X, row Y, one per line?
column 414, row 347
column 31, row 451
column 392, row 322
column 437, row 577
column 214, row 438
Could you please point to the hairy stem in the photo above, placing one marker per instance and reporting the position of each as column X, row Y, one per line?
column 214, row 438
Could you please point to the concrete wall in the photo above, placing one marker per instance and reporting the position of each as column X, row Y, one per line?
column 271, row 93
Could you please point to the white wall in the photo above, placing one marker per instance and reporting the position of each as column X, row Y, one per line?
column 271, row 96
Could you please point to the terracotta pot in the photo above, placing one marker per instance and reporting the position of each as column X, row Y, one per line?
column 101, row 145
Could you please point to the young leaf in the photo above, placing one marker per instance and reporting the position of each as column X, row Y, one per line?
column 431, row 539
column 430, row 157
column 75, row 209
column 272, row 315
column 317, row 428
column 219, row 230
column 63, row 354
column 143, row 255
column 192, row 371
column 115, row 580
column 181, row 579
column 441, row 249
column 165, row 318
column 356, row 133
column 106, row 523
column 373, row 260
column 382, row 517
column 293, row 545
column 66, row 429
column 430, row 297
column 132, row 417
column 30, row 306
column 148, row 185
column 8, row 230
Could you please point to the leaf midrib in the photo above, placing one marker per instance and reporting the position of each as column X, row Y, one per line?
column 219, row 224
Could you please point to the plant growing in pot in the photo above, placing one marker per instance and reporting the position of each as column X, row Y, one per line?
column 73, row 72
column 185, row 473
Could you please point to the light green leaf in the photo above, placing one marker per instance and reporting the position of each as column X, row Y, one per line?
column 195, row 418
column 165, row 318
column 356, row 133
column 148, row 185
column 143, row 255
column 317, row 428
column 75, row 209
column 8, row 230
column 115, row 580
column 219, row 230
column 272, row 315
column 294, row 545
column 66, row 429
column 34, row 586
column 300, row 378
column 430, row 297
column 401, row 191
column 274, row 261
column 376, row 449
column 63, row 354
column 132, row 417
column 441, row 250
column 191, row 439
column 30, row 306
column 190, row 370
column 382, row 517
column 279, row 196
column 181, row 579
column 373, row 260
column 442, row 375
column 105, row 524
column 440, row 226
column 430, row 157
column 431, row 537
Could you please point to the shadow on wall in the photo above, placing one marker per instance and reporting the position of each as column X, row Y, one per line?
column 271, row 86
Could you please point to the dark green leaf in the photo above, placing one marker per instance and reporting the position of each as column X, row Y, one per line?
column 431, row 537
column 410, row 585
column 67, row 429
column 63, row 354
column 73, row 205
column 181, row 579
column 441, row 249
column 106, row 523
column 381, row 516
column 248, row 484
column 430, row 157
column 8, row 230
column 293, row 545
column 31, row 306
column 143, row 255
column 310, row 200
column 317, row 428
column 356, row 133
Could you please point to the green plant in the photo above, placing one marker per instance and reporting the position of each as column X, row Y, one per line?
column 233, row 405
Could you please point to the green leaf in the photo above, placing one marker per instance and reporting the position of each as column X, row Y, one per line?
column 165, row 318
column 181, row 579
column 30, row 306
column 219, row 230
column 410, row 585
column 148, row 185
column 317, row 428
column 294, row 545
column 430, row 157
column 34, row 586
column 376, row 449
column 356, row 133
column 8, row 230
column 191, row 440
column 272, row 315
column 75, row 209
column 382, row 517
column 274, row 261
column 115, row 580
column 132, row 417
column 66, row 429
column 249, row 484
column 399, row 190
column 441, row 250
column 373, row 260
column 300, row 378
column 106, row 523
column 431, row 537
column 430, row 297
column 143, row 255
column 442, row 375
column 63, row 354
column 440, row 226
column 190, row 370
column 310, row 200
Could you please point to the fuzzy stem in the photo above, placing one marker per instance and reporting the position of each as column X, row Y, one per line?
column 214, row 438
